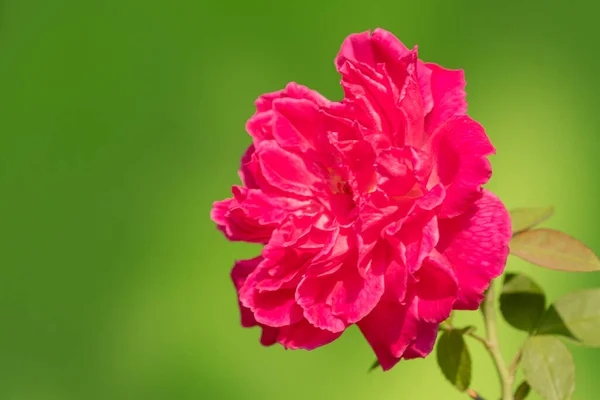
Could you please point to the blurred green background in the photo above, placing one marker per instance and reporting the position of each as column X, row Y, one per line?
column 121, row 121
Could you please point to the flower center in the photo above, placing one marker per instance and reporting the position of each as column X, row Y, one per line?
column 337, row 184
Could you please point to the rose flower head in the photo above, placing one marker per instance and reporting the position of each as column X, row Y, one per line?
column 371, row 210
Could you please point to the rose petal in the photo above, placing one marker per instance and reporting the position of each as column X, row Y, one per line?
column 245, row 173
column 419, row 235
column 448, row 95
column 476, row 244
column 303, row 335
column 252, row 215
column 403, row 74
column 296, row 124
column 237, row 225
column 356, row 47
column 272, row 308
column 436, row 289
column 218, row 213
column 269, row 335
column 239, row 274
column 368, row 91
column 393, row 258
column 260, row 126
column 359, row 157
column 292, row 90
column 390, row 329
column 285, row 171
column 380, row 47
column 338, row 300
column 423, row 344
column 461, row 148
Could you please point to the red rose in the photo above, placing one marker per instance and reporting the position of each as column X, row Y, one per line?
column 371, row 209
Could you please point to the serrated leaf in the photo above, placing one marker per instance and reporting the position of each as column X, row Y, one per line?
column 454, row 359
column 575, row 315
column 523, row 219
column 522, row 301
column 554, row 250
column 522, row 391
column 548, row 367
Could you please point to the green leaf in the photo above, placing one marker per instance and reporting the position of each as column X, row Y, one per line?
column 576, row 316
column 454, row 359
column 553, row 324
column 522, row 301
column 374, row 366
column 522, row 391
column 523, row 219
column 548, row 367
column 554, row 250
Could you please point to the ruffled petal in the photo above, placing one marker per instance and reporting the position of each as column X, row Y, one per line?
column 396, row 176
column 403, row 75
column 391, row 328
column 356, row 47
column 260, row 125
column 368, row 91
column 239, row 274
column 335, row 293
column 269, row 335
column 380, row 47
column 424, row 75
column 272, row 308
column 218, row 213
column 436, row 289
column 245, row 173
column 303, row 335
column 387, row 81
column 286, row 173
column 423, row 344
column 448, row 95
column 460, row 148
column 419, row 235
column 338, row 300
column 476, row 244
column 252, row 216
column 293, row 91
column 393, row 257
column 237, row 225
column 387, row 99
column 297, row 124
column 359, row 157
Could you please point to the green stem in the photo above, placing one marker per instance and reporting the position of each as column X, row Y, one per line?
column 514, row 365
column 492, row 346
